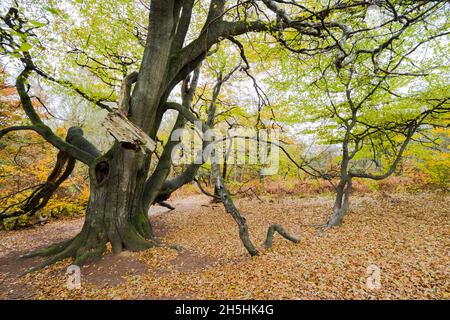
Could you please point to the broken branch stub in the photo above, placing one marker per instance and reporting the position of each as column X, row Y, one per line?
column 127, row 133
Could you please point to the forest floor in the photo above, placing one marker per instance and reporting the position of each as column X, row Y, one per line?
column 405, row 235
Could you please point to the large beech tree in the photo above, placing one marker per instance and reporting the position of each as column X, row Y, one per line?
column 121, row 186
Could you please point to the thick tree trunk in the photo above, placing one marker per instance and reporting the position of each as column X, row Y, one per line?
column 115, row 212
column 117, row 184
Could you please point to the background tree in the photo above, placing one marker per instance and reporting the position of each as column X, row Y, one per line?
column 377, row 94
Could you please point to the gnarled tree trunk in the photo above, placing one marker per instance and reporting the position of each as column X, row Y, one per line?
column 115, row 212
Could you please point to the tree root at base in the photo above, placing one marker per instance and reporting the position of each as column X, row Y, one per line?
column 85, row 248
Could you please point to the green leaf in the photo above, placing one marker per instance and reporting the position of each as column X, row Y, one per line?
column 25, row 47
column 37, row 23
column 53, row 10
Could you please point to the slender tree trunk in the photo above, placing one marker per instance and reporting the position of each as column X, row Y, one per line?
column 230, row 208
column 341, row 203
column 225, row 168
column 344, row 187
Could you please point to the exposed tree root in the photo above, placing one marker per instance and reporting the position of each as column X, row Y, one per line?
column 176, row 247
column 52, row 249
column 282, row 231
column 87, row 247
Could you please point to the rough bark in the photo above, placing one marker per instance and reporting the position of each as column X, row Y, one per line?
column 115, row 213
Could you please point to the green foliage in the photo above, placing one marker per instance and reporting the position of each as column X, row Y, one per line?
column 389, row 89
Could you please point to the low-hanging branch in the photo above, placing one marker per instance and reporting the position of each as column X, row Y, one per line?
column 230, row 208
column 5, row 131
column 411, row 128
column 205, row 192
column 40, row 127
column 64, row 166
column 42, row 194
